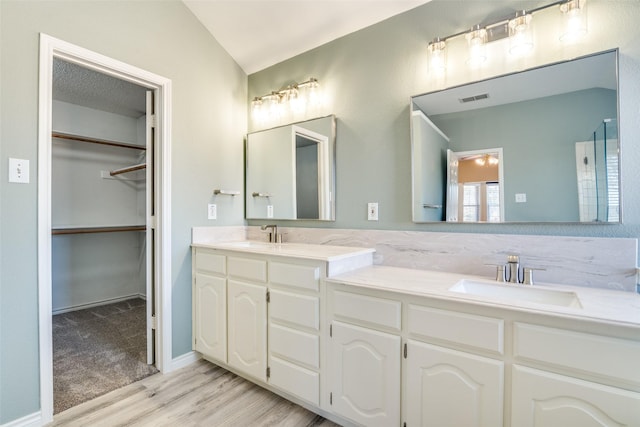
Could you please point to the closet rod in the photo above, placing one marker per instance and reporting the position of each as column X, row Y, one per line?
column 96, row 141
column 85, row 230
column 128, row 169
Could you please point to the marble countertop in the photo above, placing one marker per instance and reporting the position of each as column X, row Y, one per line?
column 296, row 250
column 618, row 307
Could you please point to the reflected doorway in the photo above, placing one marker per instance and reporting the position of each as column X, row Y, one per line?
column 475, row 186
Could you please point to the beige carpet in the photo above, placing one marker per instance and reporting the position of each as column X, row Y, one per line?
column 98, row 350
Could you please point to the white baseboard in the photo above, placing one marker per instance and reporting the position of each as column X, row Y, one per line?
column 32, row 420
column 96, row 304
column 184, row 360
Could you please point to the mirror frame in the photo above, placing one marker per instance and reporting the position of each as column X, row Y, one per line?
column 413, row 109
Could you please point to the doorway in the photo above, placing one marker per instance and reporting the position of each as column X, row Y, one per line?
column 153, row 231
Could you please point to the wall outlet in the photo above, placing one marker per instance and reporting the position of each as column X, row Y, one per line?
column 19, row 171
column 212, row 211
column 372, row 211
column 269, row 211
column 521, row 197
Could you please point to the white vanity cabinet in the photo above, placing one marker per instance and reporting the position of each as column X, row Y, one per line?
column 294, row 327
column 465, row 363
column 448, row 387
column 567, row 396
column 210, row 305
column 364, row 358
column 247, row 314
column 259, row 312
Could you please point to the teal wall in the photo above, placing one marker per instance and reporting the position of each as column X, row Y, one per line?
column 209, row 121
column 369, row 76
column 538, row 139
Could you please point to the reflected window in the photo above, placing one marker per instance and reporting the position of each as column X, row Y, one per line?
column 481, row 202
column 493, row 202
column 471, row 203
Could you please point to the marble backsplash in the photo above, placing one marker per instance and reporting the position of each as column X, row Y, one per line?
column 581, row 261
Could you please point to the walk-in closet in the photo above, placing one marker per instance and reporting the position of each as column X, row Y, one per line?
column 101, row 187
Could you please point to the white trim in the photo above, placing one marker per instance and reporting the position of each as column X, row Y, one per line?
column 31, row 420
column 185, row 360
column 96, row 303
column 427, row 120
column 51, row 47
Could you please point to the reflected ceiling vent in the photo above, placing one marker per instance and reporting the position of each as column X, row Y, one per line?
column 474, row 98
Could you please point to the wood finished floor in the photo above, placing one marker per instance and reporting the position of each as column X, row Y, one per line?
column 201, row 394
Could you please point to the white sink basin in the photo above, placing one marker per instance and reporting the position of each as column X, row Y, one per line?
column 515, row 292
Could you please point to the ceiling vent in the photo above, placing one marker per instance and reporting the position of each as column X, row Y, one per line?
column 474, row 98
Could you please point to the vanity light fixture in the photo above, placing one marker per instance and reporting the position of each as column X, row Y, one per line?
column 296, row 96
column 574, row 19
column 517, row 28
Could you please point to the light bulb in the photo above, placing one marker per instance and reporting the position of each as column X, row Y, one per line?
column 574, row 19
column 437, row 53
column 476, row 38
column 520, row 34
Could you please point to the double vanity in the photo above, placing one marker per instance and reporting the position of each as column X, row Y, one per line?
column 364, row 344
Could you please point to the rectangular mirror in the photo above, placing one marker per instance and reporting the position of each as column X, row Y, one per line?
column 290, row 171
column 534, row 146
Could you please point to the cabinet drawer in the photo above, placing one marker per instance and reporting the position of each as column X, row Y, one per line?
column 296, row 346
column 300, row 310
column 369, row 310
column 480, row 332
column 210, row 261
column 298, row 276
column 247, row 268
column 295, row 380
column 610, row 357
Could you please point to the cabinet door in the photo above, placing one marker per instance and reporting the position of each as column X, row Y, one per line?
column 448, row 388
column 543, row 399
column 365, row 375
column 210, row 317
column 247, row 330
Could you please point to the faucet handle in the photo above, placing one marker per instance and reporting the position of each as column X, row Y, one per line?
column 513, row 259
column 527, row 273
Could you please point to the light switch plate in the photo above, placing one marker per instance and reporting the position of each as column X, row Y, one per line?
column 269, row 211
column 372, row 211
column 212, row 211
column 19, row 171
column 521, row 197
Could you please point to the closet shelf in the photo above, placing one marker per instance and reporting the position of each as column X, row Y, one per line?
column 107, row 229
column 72, row 137
column 128, row 169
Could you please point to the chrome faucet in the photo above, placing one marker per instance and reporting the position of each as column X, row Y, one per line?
column 513, row 262
column 511, row 272
column 273, row 234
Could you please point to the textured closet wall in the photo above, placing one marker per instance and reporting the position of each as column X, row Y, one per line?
column 88, row 269
column 209, row 121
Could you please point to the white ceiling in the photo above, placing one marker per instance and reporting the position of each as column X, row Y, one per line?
column 261, row 33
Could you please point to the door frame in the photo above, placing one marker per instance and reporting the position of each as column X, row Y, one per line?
column 51, row 47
